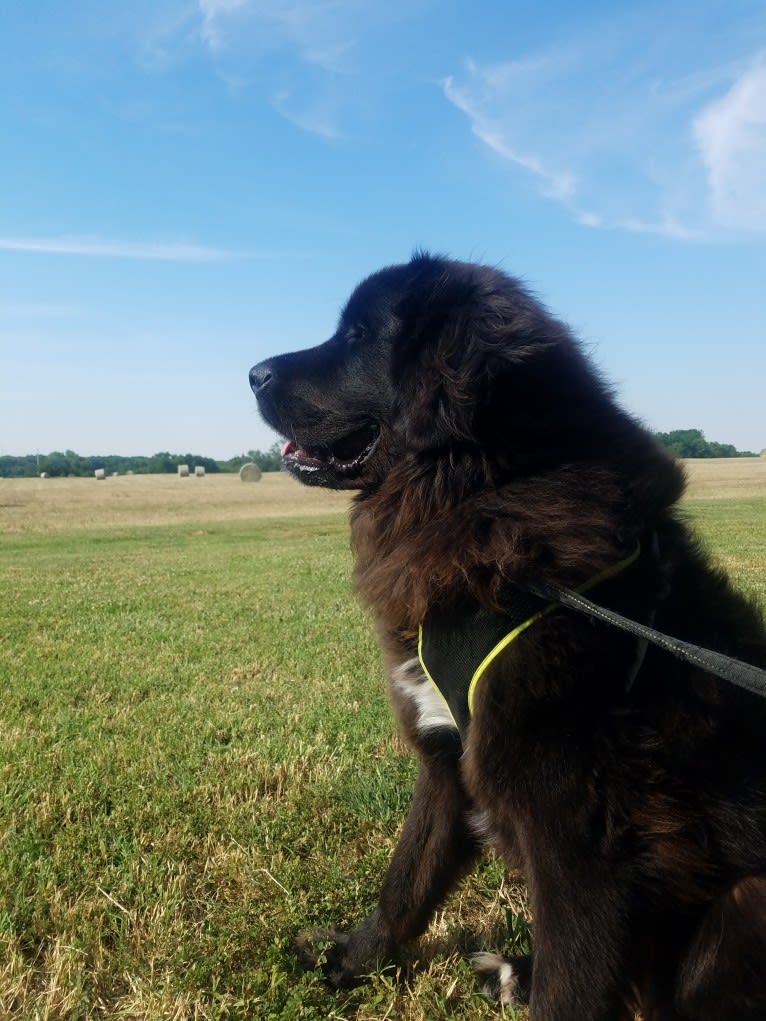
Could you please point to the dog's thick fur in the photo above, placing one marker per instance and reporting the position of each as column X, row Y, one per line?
column 486, row 451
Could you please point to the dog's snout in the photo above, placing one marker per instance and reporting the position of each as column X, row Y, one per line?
column 260, row 377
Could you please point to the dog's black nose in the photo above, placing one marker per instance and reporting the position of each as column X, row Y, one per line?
column 260, row 377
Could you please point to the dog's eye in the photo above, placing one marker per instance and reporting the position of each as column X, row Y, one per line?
column 355, row 333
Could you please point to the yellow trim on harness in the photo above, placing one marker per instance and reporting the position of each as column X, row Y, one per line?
column 428, row 675
column 605, row 575
column 504, row 642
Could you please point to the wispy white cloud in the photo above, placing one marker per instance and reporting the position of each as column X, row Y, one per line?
column 89, row 246
column 215, row 16
column 321, row 33
column 322, row 72
column 37, row 310
column 622, row 143
column 317, row 116
column 316, row 37
column 731, row 136
column 486, row 125
column 667, row 227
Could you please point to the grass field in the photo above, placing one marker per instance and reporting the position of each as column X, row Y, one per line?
column 197, row 759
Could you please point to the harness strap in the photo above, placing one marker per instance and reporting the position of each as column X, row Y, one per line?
column 453, row 640
column 450, row 641
column 605, row 575
column 744, row 675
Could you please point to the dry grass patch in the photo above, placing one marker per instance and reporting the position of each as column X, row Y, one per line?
column 42, row 505
column 725, row 478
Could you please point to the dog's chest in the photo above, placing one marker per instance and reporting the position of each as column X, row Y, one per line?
column 455, row 647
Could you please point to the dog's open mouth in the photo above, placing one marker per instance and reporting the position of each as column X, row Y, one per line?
column 344, row 455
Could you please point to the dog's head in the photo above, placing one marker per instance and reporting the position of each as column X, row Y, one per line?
column 433, row 357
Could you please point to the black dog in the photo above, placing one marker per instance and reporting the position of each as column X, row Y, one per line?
column 629, row 786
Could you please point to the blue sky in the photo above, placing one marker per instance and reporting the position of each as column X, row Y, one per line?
column 187, row 186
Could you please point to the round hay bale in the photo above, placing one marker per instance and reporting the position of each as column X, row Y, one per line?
column 100, row 474
column 43, row 475
column 250, row 472
column 199, row 471
column 183, row 471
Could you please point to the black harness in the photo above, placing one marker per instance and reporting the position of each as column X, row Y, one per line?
column 456, row 645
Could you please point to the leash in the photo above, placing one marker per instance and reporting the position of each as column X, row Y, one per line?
column 744, row 675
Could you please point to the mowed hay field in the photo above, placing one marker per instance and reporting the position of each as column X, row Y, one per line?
column 196, row 756
column 45, row 505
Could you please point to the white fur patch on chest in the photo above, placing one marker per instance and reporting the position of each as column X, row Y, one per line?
column 432, row 711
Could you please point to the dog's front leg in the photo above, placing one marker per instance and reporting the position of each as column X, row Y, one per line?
column 435, row 847
column 583, row 947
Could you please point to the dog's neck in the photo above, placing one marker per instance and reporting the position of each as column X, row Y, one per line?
column 562, row 528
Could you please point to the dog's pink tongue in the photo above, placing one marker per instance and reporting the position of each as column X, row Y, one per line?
column 287, row 448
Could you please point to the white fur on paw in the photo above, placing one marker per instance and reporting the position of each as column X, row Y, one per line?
column 496, row 977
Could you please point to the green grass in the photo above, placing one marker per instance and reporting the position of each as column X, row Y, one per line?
column 736, row 531
column 197, row 761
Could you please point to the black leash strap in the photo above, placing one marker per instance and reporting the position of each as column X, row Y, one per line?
column 744, row 675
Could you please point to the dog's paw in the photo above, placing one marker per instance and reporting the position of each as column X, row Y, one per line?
column 325, row 949
column 311, row 945
column 502, row 979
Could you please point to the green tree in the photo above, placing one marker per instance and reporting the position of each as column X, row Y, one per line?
column 267, row 461
column 692, row 443
column 55, row 464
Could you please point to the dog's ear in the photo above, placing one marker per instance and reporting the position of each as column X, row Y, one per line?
column 465, row 342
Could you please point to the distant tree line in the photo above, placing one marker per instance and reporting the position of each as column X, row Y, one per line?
column 692, row 443
column 60, row 464
column 681, row 442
